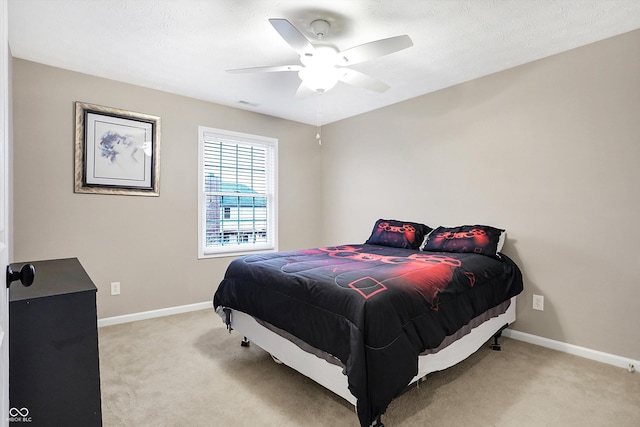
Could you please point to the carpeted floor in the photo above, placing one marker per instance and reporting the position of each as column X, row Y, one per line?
column 186, row 370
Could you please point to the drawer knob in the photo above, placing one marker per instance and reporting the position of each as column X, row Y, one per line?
column 26, row 275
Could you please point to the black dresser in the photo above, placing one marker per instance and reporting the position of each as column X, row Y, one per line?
column 54, row 368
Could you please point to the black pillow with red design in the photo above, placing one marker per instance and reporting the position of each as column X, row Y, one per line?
column 398, row 234
column 479, row 239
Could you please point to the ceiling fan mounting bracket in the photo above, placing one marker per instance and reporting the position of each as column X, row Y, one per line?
column 320, row 27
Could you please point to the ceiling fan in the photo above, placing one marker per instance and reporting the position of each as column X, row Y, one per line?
column 323, row 64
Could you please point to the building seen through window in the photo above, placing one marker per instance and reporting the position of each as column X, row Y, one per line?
column 237, row 193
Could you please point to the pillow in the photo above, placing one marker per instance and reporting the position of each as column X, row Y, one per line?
column 398, row 234
column 479, row 239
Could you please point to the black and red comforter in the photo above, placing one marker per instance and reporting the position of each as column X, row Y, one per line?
column 375, row 308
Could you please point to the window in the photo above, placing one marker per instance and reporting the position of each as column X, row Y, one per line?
column 237, row 206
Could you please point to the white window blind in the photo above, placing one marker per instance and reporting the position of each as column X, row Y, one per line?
column 237, row 206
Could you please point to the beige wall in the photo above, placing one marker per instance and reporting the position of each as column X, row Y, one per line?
column 549, row 150
column 149, row 244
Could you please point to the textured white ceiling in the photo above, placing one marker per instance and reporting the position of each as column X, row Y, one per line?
column 185, row 46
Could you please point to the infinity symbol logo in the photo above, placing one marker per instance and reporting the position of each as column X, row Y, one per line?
column 14, row 412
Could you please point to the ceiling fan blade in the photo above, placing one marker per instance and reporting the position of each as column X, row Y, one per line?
column 271, row 69
column 356, row 78
column 303, row 92
column 291, row 35
column 375, row 49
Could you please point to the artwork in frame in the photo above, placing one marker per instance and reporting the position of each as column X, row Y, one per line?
column 116, row 151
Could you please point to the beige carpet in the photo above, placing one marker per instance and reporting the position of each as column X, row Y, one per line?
column 186, row 370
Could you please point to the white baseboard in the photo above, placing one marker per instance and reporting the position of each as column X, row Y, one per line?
column 587, row 353
column 126, row 318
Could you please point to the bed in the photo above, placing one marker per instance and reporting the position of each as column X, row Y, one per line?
column 367, row 320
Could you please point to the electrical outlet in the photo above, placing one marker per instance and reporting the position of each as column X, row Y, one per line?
column 538, row 302
column 115, row 288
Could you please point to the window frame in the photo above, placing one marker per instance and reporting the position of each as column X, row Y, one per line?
column 271, row 245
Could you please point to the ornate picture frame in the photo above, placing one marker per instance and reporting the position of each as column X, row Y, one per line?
column 116, row 151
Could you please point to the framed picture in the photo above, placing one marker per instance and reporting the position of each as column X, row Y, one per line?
column 116, row 151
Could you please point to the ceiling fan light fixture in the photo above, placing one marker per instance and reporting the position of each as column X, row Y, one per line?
column 320, row 79
column 319, row 72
